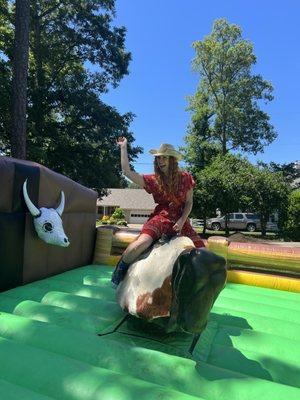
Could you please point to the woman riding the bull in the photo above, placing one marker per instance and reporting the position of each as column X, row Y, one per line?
column 172, row 190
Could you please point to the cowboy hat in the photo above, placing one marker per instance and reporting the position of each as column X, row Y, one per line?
column 166, row 149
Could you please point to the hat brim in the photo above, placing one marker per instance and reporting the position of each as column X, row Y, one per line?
column 170, row 153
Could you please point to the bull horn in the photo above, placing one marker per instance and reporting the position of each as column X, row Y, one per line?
column 34, row 211
column 60, row 208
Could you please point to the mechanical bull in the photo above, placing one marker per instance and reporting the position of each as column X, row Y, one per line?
column 176, row 281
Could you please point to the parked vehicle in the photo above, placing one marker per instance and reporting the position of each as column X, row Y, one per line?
column 196, row 222
column 240, row 221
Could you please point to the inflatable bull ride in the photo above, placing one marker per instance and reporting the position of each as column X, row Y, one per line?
column 61, row 322
column 174, row 285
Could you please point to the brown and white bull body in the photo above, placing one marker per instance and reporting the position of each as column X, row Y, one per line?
column 176, row 281
column 146, row 290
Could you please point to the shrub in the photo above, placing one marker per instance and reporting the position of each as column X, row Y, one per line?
column 292, row 224
column 118, row 214
column 122, row 222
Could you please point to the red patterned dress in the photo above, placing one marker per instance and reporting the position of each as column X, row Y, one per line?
column 169, row 209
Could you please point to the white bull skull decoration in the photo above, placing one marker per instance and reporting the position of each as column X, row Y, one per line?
column 47, row 221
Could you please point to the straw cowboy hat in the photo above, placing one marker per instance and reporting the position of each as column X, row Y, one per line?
column 166, row 149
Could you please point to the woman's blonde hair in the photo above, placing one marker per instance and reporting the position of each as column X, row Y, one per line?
column 168, row 184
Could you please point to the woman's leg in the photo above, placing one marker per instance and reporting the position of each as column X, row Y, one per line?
column 136, row 248
column 130, row 254
column 187, row 230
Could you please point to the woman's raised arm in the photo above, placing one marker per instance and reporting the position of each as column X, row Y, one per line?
column 127, row 171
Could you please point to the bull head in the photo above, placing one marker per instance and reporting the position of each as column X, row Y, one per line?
column 47, row 221
column 198, row 278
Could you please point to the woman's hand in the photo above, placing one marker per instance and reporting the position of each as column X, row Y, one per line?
column 126, row 169
column 122, row 141
column 177, row 227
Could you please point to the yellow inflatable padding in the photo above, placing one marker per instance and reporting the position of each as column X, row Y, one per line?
column 264, row 280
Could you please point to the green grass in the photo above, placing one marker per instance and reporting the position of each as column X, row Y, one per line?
column 270, row 235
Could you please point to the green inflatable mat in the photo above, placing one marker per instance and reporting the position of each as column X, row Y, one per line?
column 65, row 338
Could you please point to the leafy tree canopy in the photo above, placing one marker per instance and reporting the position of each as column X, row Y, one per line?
column 231, row 183
column 76, row 54
column 289, row 171
column 292, row 222
column 229, row 95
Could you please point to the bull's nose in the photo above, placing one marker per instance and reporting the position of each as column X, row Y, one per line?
column 66, row 242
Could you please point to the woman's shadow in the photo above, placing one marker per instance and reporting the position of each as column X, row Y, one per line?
column 223, row 353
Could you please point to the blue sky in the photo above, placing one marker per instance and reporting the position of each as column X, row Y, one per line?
column 159, row 36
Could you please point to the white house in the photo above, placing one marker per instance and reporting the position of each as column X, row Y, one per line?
column 137, row 204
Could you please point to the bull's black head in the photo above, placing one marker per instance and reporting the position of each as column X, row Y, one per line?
column 198, row 278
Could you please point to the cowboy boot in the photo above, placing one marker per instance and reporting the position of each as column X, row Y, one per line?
column 119, row 273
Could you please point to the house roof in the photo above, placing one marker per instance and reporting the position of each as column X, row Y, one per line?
column 128, row 199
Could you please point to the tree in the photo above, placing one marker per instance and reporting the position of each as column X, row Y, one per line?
column 76, row 54
column 292, row 223
column 222, row 184
column 205, row 196
column 19, row 80
column 198, row 153
column 228, row 93
column 5, row 107
column 289, row 171
column 267, row 192
column 199, row 150
column 231, row 183
column 6, row 47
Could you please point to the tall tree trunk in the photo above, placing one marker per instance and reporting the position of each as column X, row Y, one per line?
column 204, row 225
column 38, row 95
column 19, row 80
column 38, row 102
column 224, row 144
column 263, row 223
column 226, row 224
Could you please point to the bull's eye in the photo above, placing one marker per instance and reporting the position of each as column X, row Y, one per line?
column 48, row 227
